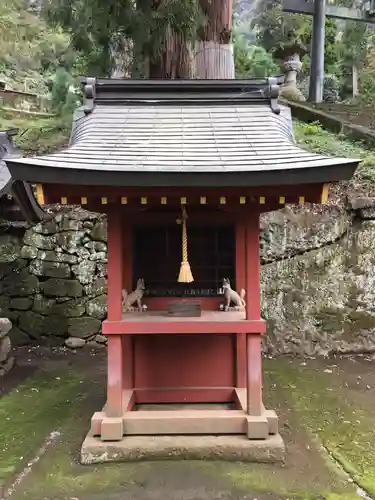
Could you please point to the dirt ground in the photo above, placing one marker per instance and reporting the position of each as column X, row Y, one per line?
column 56, row 474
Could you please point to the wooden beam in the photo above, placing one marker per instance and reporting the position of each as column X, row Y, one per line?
column 365, row 14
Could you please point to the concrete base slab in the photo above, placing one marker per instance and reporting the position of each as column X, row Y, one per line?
column 231, row 448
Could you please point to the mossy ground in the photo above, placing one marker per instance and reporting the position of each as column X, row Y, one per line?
column 336, row 404
column 64, row 396
column 37, row 135
column 313, row 137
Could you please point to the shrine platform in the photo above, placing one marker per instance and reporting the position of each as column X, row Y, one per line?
column 226, row 447
column 159, row 322
column 184, row 430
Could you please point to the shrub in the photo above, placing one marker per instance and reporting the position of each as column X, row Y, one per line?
column 367, row 85
column 331, row 88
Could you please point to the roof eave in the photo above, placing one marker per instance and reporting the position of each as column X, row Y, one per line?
column 23, row 194
column 340, row 171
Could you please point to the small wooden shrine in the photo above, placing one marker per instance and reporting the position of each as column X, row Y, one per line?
column 183, row 169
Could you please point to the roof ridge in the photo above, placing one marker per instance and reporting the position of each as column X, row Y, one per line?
column 130, row 91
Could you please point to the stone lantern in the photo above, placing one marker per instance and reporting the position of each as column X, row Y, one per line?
column 291, row 55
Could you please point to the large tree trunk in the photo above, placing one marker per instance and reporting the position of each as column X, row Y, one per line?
column 176, row 61
column 214, row 50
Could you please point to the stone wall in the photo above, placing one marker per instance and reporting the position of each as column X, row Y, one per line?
column 53, row 280
column 318, row 279
column 6, row 355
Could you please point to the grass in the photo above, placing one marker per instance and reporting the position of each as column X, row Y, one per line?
column 344, row 427
column 30, row 413
column 37, row 135
column 313, row 137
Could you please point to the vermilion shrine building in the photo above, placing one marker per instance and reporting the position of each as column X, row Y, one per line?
column 222, row 153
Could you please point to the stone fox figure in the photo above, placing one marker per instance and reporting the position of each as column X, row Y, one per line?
column 135, row 296
column 231, row 296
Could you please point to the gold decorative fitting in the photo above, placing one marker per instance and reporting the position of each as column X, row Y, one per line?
column 203, row 200
column 104, row 201
column 325, row 190
column 282, row 200
column 124, row 200
column 163, row 200
column 223, row 200
column 144, row 200
column 83, row 200
column 262, row 200
column 64, row 200
column 40, row 194
column 242, row 200
column 183, row 200
column 301, row 200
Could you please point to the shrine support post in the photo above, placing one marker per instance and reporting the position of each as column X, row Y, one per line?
column 241, row 283
column 112, row 425
column 253, row 341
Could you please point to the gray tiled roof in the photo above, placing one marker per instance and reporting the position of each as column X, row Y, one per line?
column 182, row 133
column 183, row 138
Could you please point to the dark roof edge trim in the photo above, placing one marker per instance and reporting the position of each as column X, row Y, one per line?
column 117, row 90
column 24, row 196
column 322, row 174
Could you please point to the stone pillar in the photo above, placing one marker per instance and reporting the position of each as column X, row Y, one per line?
column 6, row 358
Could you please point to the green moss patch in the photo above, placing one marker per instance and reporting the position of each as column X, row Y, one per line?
column 343, row 423
column 30, row 413
column 38, row 135
column 313, row 137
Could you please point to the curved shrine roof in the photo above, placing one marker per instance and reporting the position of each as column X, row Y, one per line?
column 192, row 133
column 20, row 191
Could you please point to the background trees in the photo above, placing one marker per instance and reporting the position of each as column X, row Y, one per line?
column 42, row 39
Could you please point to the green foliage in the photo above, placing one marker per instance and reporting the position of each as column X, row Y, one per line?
column 312, row 128
column 367, row 86
column 60, row 88
column 252, row 61
column 29, row 48
column 314, row 138
column 279, row 32
column 331, row 88
column 101, row 30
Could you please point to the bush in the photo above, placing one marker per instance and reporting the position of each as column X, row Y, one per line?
column 331, row 88
column 252, row 61
column 60, row 88
column 367, row 85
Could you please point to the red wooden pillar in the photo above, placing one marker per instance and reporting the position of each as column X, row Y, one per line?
column 115, row 358
column 240, row 283
column 254, row 359
column 127, row 270
column 127, row 253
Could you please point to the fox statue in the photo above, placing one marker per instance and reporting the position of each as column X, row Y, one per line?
column 128, row 299
column 231, row 296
